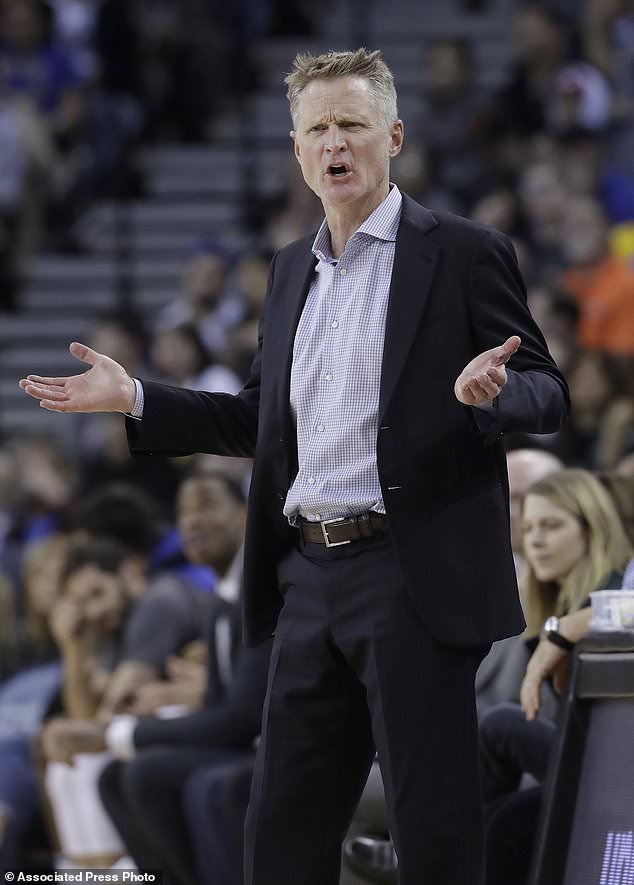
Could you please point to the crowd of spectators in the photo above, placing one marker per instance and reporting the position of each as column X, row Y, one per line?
column 92, row 568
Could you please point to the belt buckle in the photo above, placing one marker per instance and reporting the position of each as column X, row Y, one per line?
column 324, row 531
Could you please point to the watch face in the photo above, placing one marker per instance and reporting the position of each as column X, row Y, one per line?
column 551, row 625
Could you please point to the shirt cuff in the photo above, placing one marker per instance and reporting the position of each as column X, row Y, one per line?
column 139, row 401
column 120, row 737
column 489, row 406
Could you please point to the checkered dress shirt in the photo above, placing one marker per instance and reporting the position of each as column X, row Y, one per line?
column 336, row 371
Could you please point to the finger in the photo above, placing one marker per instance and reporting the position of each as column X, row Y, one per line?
column 465, row 394
column 84, row 353
column 53, row 406
column 504, row 352
column 41, row 379
column 490, row 388
column 40, row 391
column 529, row 698
column 478, row 391
column 497, row 376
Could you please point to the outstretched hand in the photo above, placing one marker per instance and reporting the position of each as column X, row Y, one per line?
column 485, row 376
column 105, row 387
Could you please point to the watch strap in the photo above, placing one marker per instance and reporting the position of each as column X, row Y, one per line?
column 559, row 640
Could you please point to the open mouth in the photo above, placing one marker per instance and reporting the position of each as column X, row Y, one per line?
column 338, row 170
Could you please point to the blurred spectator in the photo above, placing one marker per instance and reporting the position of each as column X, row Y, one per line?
column 45, row 479
column 601, row 422
column 37, row 70
column 299, row 214
column 557, row 316
column 8, row 629
column 41, row 585
column 609, row 44
column 581, row 99
column 207, row 300
column 14, row 172
column 73, row 28
column 41, row 76
column 588, row 170
column 621, row 489
column 413, row 171
column 181, row 359
column 250, row 278
column 134, row 519
column 542, row 45
column 161, row 756
column 602, row 285
column 104, row 452
column 543, row 199
column 8, row 497
column 525, row 468
column 452, row 119
column 184, row 67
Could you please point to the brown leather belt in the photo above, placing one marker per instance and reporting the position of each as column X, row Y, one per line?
column 333, row 532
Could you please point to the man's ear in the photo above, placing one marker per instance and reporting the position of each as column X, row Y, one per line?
column 397, row 135
column 293, row 135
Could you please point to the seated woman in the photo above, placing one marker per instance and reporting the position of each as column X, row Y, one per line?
column 574, row 543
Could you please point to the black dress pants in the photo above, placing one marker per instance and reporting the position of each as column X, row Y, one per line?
column 144, row 799
column 354, row 669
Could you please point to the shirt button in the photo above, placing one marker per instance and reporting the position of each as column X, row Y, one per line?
column 343, row 271
column 311, row 480
column 335, row 324
column 329, row 376
column 320, row 428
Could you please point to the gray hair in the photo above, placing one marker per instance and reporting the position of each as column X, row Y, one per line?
column 358, row 63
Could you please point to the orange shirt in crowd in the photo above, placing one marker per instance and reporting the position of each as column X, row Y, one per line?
column 605, row 296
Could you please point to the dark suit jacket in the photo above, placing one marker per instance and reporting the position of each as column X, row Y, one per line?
column 456, row 291
column 231, row 716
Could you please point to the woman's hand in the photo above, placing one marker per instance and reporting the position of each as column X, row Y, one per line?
column 547, row 660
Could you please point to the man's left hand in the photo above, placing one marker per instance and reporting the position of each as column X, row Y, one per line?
column 485, row 376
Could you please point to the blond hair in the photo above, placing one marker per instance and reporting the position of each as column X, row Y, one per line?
column 608, row 549
column 357, row 63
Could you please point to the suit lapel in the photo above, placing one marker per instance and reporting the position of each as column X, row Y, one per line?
column 414, row 264
column 294, row 286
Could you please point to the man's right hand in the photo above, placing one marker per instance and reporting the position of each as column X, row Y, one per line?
column 105, row 387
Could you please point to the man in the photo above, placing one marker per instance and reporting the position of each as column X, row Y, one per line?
column 377, row 533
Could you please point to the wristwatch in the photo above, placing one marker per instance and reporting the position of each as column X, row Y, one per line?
column 551, row 632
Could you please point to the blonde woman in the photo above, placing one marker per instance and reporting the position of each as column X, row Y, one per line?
column 574, row 543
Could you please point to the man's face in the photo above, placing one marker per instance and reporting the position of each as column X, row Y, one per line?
column 98, row 595
column 343, row 145
column 204, row 279
column 210, row 521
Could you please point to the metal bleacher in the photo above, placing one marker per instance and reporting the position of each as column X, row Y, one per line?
column 136, row 249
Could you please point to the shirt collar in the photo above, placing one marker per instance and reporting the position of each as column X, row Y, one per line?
column 228, row 588
column 382, row 224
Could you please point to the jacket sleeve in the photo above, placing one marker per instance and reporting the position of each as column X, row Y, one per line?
column 535, row 398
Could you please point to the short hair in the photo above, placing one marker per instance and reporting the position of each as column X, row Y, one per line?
column 232, row 486
column 123, row 512
column 106, row 554
column 356, row 63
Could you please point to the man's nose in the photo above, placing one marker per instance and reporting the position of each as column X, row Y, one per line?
column 336, row 140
